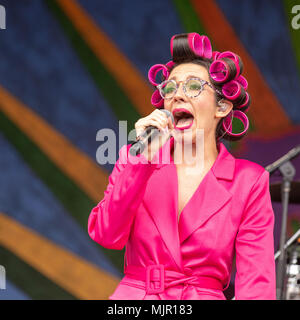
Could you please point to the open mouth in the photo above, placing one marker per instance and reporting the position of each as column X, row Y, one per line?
column 183, row 118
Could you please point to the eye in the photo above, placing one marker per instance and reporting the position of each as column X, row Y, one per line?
column 169, row 88
column 194, row 85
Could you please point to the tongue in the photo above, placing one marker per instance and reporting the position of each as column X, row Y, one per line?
column 183, row 122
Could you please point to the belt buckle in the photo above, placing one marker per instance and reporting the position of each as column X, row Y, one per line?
column 149, row 271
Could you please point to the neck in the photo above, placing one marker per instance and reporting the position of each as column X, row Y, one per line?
column 195, row 155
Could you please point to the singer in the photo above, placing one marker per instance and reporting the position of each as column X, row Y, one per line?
column 185, row 222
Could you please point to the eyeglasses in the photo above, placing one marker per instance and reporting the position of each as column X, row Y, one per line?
column 192, row 87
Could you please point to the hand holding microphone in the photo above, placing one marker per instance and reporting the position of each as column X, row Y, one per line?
column 158, row 123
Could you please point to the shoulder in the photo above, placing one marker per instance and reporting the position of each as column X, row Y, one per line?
column 249, row 172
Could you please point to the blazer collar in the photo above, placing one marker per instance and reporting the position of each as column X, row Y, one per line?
column 162, row 198
column 223, row 167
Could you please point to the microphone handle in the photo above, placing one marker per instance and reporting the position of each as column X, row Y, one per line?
column 138, row 147
column 147, row 136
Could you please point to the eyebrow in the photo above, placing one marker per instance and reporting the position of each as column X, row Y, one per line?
column 190, row 76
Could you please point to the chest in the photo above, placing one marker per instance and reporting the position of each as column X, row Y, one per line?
column 188, row 183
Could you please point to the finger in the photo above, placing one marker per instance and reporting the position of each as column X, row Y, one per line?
column 161, row 121
column 170, row 123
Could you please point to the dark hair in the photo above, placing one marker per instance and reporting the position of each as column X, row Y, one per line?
column 182, row 53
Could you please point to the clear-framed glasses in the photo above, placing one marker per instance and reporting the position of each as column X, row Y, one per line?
column 192, row 87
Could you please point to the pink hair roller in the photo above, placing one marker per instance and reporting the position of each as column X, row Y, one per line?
column 218, row 71
column 200, row 45
column 242, row 81
column 170, row 64
column 227, row 123
column 234, row 58
column 247, row 102
column 171, row 44
column 156, row 99
column 215, row 55
column 231, row 90
column 154, row 70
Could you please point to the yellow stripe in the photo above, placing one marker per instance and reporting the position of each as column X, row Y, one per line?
column 80, row 278
column 75, row 164
column 128, row 77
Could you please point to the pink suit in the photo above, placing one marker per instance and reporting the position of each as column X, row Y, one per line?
column 230, row 214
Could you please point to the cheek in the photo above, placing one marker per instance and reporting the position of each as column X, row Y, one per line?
column 205, row 108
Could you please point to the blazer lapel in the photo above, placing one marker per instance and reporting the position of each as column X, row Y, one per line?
column 161, row 203
column 209, row 197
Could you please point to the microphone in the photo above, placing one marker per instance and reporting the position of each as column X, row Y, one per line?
column 290, row 155
column 147, row 136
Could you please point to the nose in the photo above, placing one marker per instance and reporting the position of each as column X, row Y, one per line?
column 179, row 95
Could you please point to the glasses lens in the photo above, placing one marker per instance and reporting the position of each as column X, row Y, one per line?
column 193, row 87
column 168, row 89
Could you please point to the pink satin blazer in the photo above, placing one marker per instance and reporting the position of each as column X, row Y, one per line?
column 229, row 215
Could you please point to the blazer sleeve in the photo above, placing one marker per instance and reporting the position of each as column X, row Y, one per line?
column 255, row 264
column 110, row 221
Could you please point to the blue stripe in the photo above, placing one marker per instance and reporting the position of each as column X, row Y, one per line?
column 26, row 199
column 39, row 67
column 141, row 30
column 263, row 30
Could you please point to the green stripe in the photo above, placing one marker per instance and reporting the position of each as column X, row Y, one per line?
column 294, row 33
column 104, row 81
column 29, row 280
column 188, row 16
column 74, row 200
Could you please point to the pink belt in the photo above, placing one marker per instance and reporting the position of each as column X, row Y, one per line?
column 157, row 278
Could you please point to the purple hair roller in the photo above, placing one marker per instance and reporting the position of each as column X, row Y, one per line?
column 242, row 81
column 200, row 45
column 154, row 70
column 215, row 55
column 218, row 71
column 228, row 123
column 156, row 100
column 171, row 44
column 233, row 57
column 231, row 90
column 246, row 103
column 170, row 64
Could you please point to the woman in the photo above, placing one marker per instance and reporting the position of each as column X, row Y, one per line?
column 185, row 219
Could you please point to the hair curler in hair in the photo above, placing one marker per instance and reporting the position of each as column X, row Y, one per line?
column 219, row 71
column 244, row 106
column 200, row 45
column 156, row 100
column 227, row 123
column 170, row 64
column 215, row 55
column 240, row 79
column 233, row 91
column 153, row 72
column 235, row 58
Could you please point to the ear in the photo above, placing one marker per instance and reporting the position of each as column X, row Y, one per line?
column 223, row 108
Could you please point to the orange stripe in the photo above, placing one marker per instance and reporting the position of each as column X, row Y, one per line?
column 81, row 278
column 75, row 164
column 128, row 77
column 270, row 119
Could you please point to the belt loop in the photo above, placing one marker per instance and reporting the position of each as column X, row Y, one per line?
column 149, row 273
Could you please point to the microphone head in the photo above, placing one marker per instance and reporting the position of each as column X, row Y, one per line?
column 169, row 114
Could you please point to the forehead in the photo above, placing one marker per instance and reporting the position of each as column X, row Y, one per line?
column 185, row 70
